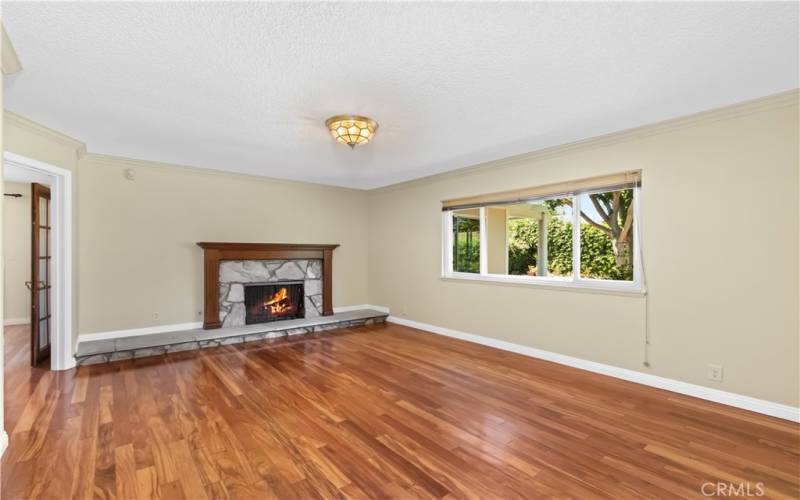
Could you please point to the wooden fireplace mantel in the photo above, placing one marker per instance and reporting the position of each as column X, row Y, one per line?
column 215, row 252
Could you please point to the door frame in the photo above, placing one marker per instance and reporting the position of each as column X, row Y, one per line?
column 60, row 182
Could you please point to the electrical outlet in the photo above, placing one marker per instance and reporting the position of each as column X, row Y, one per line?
column 404, row 310
column 155, row 316
column 714, row 372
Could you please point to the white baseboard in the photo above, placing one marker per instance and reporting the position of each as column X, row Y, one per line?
column 116, row 334
column 727, row 398
column 16, row 321
column 3, row 442
column 342, row 309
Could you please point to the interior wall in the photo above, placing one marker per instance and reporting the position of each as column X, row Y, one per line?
column 17, row 254
column 183, row 206
column 32, row 140
column 719, row 229
column 137, row 239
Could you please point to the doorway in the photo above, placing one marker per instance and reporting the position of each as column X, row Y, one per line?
column 49, row 245
column 21, row 218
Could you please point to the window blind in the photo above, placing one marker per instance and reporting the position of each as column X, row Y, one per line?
column 612, row 182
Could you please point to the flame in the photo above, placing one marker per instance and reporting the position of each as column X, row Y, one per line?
column 278, row 303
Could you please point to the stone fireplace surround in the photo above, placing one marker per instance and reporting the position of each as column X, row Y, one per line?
column 234, row 275
column 237, row 264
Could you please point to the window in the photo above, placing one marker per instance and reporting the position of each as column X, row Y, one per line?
column 530, row 239
column 582, row 233
column 607, row 225
column 466, row 240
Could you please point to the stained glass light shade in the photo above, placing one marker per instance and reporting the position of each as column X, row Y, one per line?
column 352, row 129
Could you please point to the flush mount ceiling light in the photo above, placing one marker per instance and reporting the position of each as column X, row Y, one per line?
column 352, row 129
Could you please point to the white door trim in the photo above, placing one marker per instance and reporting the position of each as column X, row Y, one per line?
column 61, row 355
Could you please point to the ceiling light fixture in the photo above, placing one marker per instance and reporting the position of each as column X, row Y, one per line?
column 352, row 129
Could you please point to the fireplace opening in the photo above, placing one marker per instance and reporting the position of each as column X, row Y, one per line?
column 265, row 302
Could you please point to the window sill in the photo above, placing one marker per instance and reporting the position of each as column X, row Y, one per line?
column 565, row 284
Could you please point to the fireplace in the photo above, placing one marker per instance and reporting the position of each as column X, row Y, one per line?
column 228, row 267
column 266, row 302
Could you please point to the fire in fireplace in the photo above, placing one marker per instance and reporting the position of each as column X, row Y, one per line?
column 265, row 302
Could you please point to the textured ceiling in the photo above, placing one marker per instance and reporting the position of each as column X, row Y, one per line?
column 247, row 86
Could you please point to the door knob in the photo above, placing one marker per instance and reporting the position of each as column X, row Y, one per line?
column 29, row 285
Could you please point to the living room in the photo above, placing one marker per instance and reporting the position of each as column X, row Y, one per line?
column 395, row 250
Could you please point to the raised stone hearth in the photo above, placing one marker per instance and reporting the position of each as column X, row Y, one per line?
column 141, row 346
column 235, row 274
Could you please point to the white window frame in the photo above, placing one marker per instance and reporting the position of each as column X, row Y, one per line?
column 574, row 281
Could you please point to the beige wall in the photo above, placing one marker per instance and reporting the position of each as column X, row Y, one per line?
column 137, row 238
column 17, row 252
column 32, row 140
column 719, row 218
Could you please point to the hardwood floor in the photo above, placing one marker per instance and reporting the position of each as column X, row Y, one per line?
column 380, row 411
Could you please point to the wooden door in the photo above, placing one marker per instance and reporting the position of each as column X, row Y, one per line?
column 39, row 286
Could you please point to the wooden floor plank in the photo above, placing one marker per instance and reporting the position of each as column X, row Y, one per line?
column 381, row 411
column 125, row 473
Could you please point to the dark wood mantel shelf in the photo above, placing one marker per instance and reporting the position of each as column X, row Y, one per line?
column 215, row 252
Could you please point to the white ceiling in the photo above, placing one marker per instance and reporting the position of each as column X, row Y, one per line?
column 246, row 87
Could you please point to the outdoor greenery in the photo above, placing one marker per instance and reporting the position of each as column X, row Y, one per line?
column 597, row 254
column 615, row 211
column 466, row 257
column 523, row 238
column 606, row 243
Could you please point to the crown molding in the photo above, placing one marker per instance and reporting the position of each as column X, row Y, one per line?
column 122, row 161
column 11, row 62
column 781, row 100
column 11, row 118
